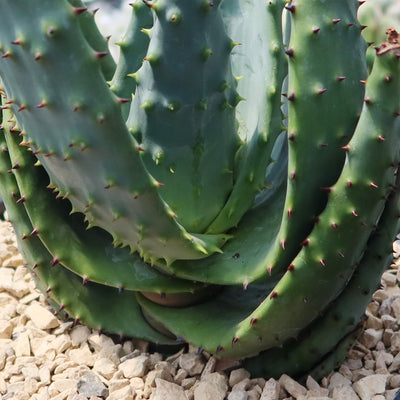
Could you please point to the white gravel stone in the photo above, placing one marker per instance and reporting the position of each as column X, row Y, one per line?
column 169, row 391
column 371, row 337
column 212, row 386
column 41, row 317
column 44, row 375
column 192, row 363
column 291, row 386
column 125, row 393
column 104, row 367
column 238, row 395
column 99, row 342
column 344, row 393
column 22, row 345
column 237, row 375
column 6, row 328
column 79, row 334
column 209, row 368
column 389, row 278
column 61, row 343
column 61, row 385
column 371, row 385
column 135, row 367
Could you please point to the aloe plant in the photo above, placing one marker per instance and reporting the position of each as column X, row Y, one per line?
column 224, row 184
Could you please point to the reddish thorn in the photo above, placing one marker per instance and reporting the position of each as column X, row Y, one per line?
column 76, row 321
column 21, row 200
column 24, row 236
column 388, row 78
column 349, row 184
column 22, row 107
column 291, row 97
column 336, row 20
column 322, row 91
column 334, row 225
column 373, row 185
column 38, row 56
column 107, row 187
column 291, row 137
column 291, row 8
column 15, row 166
column 84, row 280
column 315, row 220
column 305, row 242
column 381, row 138
column 122, row 100
column 6, row 54
column 283, row 244
column 245, row 285
column 316, row 29
column 16, row 42
column 289, row 213
column 79, row 10
column 326, row 189
column 140, row 148
column 75, row 109
column 362, row 27
column 34, row 232
column 346, row 148
column 370, row 44
column 322, row 262
column 54, row 262
column 367, row 100
column 10, row 101
column 270, row 270
column 292, row 175
column 290, row 267
column 341, row 78
column 363, row 81
column 159, row 184
column 235, row 340
column 354, row 213
column 273, row 295
column 290, row 52
column 34, row 266
column 42, row 104
column 148, row 3
column 219, row 348
column 60, row 309
column 253, row 321
column 48, row 154
column 48, row 290
column 100, row 54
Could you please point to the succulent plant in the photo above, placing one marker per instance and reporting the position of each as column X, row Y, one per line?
column 374, row 15
column 224, row 184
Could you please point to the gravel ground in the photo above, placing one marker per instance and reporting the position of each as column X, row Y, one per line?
column 43, row 357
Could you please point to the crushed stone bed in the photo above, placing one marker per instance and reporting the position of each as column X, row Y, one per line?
column 43, row 357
